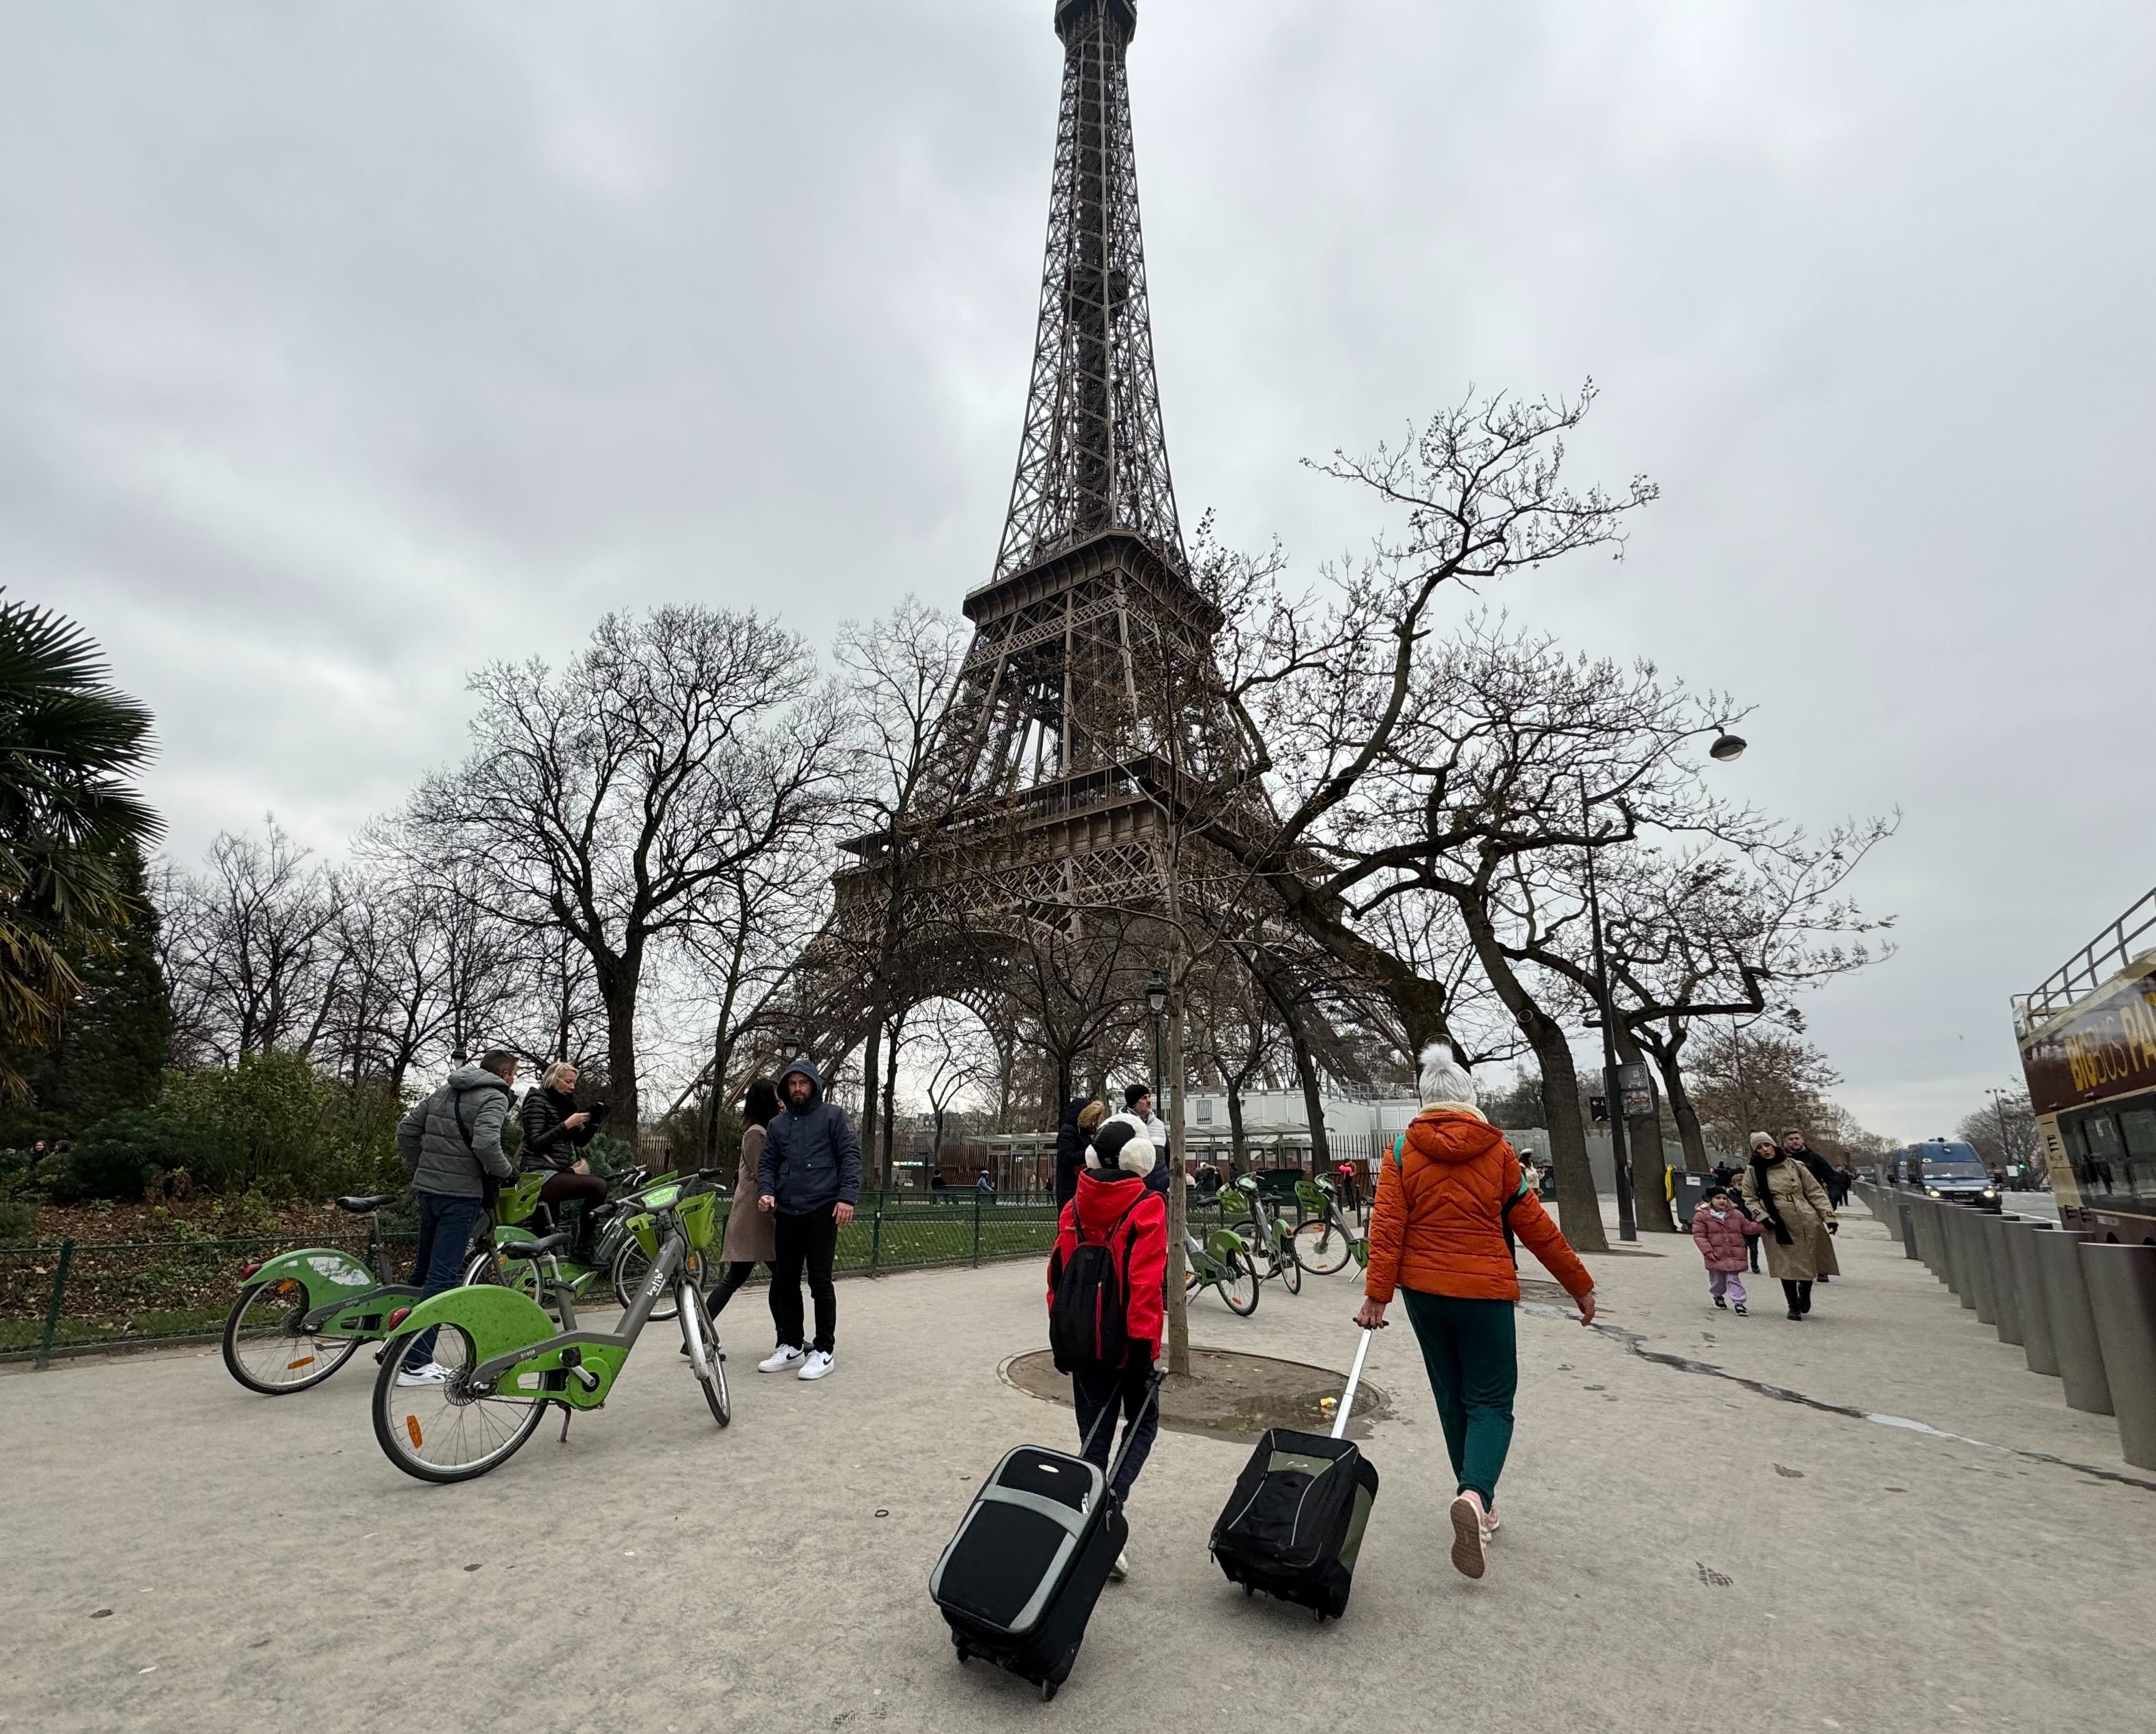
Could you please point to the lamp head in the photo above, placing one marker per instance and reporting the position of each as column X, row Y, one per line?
column 1727, row 746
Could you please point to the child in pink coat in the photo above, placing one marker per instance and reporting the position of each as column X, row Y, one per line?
column 1719, row 1229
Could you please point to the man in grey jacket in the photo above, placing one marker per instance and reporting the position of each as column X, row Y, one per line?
column 452, row 1142
column 811, row 1177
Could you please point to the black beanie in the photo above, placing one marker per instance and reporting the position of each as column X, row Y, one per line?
column 1132, row 1095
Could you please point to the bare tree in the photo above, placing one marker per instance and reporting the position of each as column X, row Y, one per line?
column 2004, row 1131
column 621, row 800
column 251, row 947
column 1753, row 1076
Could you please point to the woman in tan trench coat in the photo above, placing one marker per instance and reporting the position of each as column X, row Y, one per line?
column 1782, row 1192
column 751, row 1234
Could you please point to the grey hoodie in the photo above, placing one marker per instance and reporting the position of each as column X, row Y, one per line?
column 811, row 1158
column 448, row 1138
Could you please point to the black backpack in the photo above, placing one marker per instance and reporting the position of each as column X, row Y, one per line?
column 1088, row 1322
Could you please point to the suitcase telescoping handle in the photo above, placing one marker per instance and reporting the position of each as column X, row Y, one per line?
column 1354, row 1378
column 1151, row 1396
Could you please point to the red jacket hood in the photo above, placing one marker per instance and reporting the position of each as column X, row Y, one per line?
column 1446, row 1135
column 1104, row 1194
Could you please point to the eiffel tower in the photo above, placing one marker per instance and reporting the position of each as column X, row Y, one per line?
column 1089, row 637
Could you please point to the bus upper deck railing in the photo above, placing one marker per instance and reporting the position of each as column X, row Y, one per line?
column 2089, row 968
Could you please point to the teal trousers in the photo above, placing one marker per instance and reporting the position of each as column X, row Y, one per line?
column 1471, row 1355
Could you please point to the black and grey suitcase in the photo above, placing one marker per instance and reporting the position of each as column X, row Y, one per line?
column 1018, row 1582
column 1294, row 1525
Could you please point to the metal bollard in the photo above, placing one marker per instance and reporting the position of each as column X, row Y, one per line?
column 1905, row 1213
column 1960, row 1277
column 2073, row 1325
column 2121, row 1287
column 2005, row 1295
column 1981, row 1278
column 1925, row 1221
column 2036, row 1347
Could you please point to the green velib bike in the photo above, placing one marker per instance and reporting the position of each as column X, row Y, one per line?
column 1324, row 1240
column 501, row 1361
column 1221, row 1261
column 300, row 1315
column 1265, row 1239
column 618, row 1260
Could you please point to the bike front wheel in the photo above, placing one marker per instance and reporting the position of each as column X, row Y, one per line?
column 1290, row 1272
column 444, row 1431
column 1239, row 1285
column 631, row 1269
column 716, row 1393
column 265, row 1348
column 1321, row 1246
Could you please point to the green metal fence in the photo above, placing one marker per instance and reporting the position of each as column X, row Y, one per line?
column 78, row 1297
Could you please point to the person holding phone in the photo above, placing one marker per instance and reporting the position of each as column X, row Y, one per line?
column 555, row 1133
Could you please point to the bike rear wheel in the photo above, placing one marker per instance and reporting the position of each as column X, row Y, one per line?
column 716, row 1393
column 1321, row 1246
column 1290, row 1272
column 265, row 1348
column 1239, row 1285
column 441, row 1432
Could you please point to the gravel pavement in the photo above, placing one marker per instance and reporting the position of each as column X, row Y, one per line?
column 1712, row 1523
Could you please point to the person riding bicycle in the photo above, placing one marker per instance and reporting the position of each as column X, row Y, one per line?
column 555, row 1132
column 452, row 1142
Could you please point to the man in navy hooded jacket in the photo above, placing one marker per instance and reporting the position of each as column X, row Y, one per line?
column 810, row 1176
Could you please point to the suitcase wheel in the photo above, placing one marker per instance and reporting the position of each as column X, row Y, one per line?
column 1047, row 1691
column 965, row 1655
column 1249, row 1589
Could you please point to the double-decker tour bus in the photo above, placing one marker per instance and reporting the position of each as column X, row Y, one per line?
column 2088, row 1047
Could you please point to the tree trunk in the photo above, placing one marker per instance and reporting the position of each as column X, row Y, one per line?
column 716, row 1097
column 1579, row 1211
column 1680, row 1111
column 1650, row 1203
column 617, row 986
column 1236, row 1162
column 1313, row 1092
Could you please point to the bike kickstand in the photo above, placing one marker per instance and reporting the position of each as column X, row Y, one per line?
column 568, row 1414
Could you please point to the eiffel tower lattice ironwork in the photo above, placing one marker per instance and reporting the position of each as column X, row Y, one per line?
column 1089, row 637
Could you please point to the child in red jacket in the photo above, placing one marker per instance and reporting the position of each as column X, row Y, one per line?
column 1115, row 1208
column 1720, row 1229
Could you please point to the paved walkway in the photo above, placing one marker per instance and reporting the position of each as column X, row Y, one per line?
column 1681, row 1551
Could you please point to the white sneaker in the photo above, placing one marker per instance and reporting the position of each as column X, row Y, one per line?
column 433, row 1373
column 1468, row 1538
column 1122, row 1569
column 819, row 1364
column 782, row 1357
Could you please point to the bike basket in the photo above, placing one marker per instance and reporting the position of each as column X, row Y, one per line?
column 645, row 1228
column 699, row 1219
column 519, row 1198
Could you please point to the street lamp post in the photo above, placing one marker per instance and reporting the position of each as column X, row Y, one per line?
column 1156, row 1003
column 1999, row 1108
column 1620, row 1160
column 1725, row 747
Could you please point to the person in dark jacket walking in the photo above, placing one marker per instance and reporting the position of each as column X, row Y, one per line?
column 809, row 1178
column 1080, row 1117
column 555, row 1133
column 452, row 1142
column 1830, row 1183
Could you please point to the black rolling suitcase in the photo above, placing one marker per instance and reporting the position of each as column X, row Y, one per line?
column 1018, row 1580
column 1294, row 1524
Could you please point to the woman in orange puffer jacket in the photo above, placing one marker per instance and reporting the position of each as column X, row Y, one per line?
column 1446, row 1193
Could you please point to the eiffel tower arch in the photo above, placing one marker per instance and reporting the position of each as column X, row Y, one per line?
column 1093, row 649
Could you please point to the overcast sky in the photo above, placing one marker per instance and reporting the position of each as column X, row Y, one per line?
column 345, row 347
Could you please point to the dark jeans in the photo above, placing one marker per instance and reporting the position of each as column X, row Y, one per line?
column 446, row 1226
column 809, row 1242
column 587, row 1190
column 1469, row 1351
column 730, row 1282
column 1092, row 1393
column 1799, row 1294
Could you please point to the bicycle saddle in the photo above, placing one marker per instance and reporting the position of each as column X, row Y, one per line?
column 362, row 1206
column 531, row 1249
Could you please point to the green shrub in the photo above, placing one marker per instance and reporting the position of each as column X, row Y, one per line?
column 17, row 1221
column 117, row 1156
column 286, row 1131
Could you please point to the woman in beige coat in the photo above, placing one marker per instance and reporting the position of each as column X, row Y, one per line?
column 1781, row 1191
column 751, row 1234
